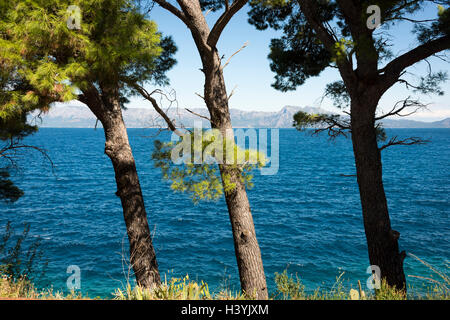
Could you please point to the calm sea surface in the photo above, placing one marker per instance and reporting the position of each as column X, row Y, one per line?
column 307, row 217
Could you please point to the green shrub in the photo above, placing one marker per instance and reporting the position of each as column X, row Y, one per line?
column 288, row 287
column 18, row 259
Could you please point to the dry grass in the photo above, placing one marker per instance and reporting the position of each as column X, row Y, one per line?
column 22, row 289
column 287, row 288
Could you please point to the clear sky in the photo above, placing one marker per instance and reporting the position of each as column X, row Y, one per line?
column 250, row 73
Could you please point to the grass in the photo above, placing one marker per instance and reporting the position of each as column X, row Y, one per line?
column 176, row 289
column 288, row 287
column 24, row 289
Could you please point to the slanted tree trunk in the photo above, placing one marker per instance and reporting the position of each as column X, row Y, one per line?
column 382, row 241
column 117, row 148
column 248, row 253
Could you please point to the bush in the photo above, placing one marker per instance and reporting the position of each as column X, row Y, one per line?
column 18, row 260
column 287, row 287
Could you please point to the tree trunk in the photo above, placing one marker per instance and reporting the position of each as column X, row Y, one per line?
column 382, row 241
column 117, row 148
column 248, row 253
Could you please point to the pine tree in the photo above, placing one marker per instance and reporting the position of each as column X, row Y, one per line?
column 248, row 253
column 343, row 34
column 92, row 53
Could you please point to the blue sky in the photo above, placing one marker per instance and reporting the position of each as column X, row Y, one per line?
column 250, row 73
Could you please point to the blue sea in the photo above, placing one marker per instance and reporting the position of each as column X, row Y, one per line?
column 307, row 217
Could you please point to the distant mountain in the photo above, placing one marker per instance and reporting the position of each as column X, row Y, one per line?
column 403, row 123
column 72, row 116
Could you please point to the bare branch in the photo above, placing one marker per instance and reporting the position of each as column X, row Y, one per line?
column 149, row 97
column 207, row 12
column 198, row 94
column 407, row 103
column 333, row 125
column 10, row 152
column 404, row 142
column 232, row 92
column 198, row 115
column 410, row 20
column 229, row 59
column 174, row 10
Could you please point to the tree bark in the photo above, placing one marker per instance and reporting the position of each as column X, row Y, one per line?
column 248, row 253
column 117, row 147
column 382, row 241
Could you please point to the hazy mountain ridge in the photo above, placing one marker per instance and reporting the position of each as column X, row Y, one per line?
column 72, row 116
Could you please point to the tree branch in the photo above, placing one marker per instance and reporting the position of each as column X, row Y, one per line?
column 144, row 93
column 406, row 104
column 223, row 20
column 310, row 9
column 394, row 68
column 199, row 115
column 404, row 142
column 9, row 152
column 229, row 59
column 92, row 98
column 174, row 10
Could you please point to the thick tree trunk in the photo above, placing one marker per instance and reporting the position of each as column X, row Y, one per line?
column 117, row 148
column 248, row 253
column 382, row 241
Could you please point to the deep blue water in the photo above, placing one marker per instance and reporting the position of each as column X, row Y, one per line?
column 307, row 217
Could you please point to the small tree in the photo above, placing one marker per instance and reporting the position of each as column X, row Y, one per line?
column 343, row 34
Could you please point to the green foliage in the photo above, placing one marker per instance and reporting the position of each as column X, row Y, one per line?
column 430, row 84
column 337, row 92
column 335, row 125
column 437, row 28
column 116, row 45
column 15, row 127
column 199, row 174
column 175, row 289
column 299, row 54
column 389, row 293
column 8, row 191
column 29, row 77
column 18, row 259
column 341, row 50
column 288, row 288
column 304, row 120
column 337, row 291
column 42, row 61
